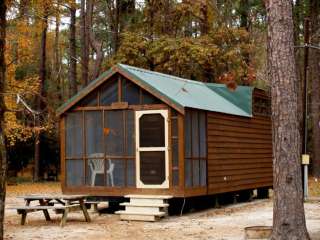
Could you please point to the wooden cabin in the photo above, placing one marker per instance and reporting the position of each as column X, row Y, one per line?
column 135, row 131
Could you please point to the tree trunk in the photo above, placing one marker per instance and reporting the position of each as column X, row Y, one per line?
column 57, row 60
column 73, row 51
column 3, row 159
column 315, row 86
column 298, row 21
column 96, row 45
column 119, row 12
column 115, row 27
column 245, row 23
column 204, row 23
column 40, row 102
column 84, row 41
column 288, row 209
column 244, row 14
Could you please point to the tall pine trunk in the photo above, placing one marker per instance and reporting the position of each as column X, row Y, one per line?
column 315, row 86
column 57, row 59
column 288, row 210
column 297, row 22
column 84, row 42
column 3, row 160
column 97, row 46
column 40, row 102
column 73, row 51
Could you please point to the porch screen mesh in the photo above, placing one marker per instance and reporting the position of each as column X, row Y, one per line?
column 74, row 172
column 195, row 149
column 74, row 135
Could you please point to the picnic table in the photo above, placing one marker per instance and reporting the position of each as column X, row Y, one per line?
column 60, row 203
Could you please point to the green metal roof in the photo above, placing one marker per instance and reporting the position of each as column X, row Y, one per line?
column 179, row 92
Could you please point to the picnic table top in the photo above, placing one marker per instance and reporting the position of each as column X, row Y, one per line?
column 52, row 196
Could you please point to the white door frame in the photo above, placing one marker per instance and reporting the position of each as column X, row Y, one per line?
column 138, row 115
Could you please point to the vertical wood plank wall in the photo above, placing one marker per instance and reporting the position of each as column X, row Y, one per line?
column 239, row 152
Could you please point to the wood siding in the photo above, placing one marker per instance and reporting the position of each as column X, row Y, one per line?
column 239, row 152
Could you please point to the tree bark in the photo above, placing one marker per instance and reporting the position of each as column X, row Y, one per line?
column 113, row 10
column 204, row 22
column 244, row 14
column 40, row 102
column 298, row 21
column 57, row 60
column 315, row 86
column 96, row 45
column 73, row 51
column 84, row 41
column 288, row 209
column 3, row 159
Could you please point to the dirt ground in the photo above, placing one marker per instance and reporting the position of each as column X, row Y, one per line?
column 222, row 223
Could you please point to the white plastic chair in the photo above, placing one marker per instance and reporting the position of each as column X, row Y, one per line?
column 110, row 171
column 96, row 166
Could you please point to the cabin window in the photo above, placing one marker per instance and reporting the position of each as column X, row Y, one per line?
column 175, row 148
column 130, row 133
column 91, row 100
column 74, row 135
column 93, row 133
column 117, row 178
column 119, row 145
column 147, row 98
column 118, row 89
column 195, row 149
column 94, row 152
column 74, row 172
column 188, row 172
column 130, row 92
column 114, row 138
column 131, row 173
column 109, row 93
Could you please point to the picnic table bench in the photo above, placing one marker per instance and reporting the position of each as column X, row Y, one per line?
column 59, row 203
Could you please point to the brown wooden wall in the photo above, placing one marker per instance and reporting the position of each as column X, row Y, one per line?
column 239, row 152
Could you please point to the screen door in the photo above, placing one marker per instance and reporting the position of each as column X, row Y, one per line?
column 152, row 149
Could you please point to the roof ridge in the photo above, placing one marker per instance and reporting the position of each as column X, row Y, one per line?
column 162, row 74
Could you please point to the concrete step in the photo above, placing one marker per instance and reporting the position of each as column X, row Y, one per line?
column 147, row 201
column 148, row 196
column 144, row 207
column 139, row 209
column 138, row 216
column 159, row 205
column 159, row 214
column 144, row 218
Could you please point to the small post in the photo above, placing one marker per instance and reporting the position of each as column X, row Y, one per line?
column 305, row 163
column 305, row 182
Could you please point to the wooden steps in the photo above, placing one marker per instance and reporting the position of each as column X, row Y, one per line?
column 144, row 208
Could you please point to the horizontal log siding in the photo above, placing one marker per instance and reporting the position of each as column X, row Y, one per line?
column 239, row 153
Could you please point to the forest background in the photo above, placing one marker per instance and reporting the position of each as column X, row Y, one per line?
column 55, row 48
